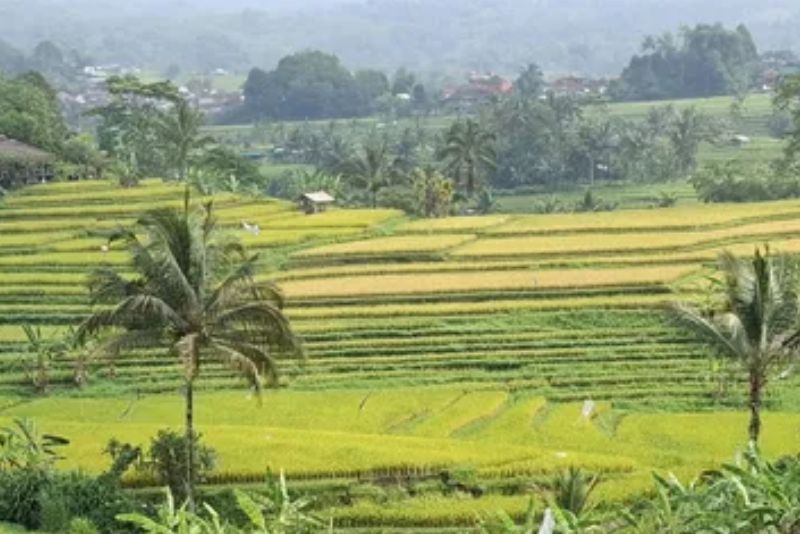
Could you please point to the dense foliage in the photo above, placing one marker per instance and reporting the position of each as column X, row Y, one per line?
column 704, row 61
column 29, row 112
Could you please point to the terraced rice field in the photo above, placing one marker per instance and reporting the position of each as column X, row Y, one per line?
column 469, row 342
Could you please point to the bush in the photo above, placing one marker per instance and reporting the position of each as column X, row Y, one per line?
column 167, row 459
column 44, row 499
column 20, row 495
column 80, row 525
column 737, row 182
column 54, row 516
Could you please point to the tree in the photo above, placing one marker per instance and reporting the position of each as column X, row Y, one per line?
column 370, row 170
column 224, row 163
column 468, row 152
column 131, row 125
column 756, row 324
column 29, row 112
column 179, row 129
column 530, row 82
column 596, row 139
column 371, row 84
column 195, row 296
column 707, row 60
column 787, row 100
column 306, row 85
column 688, row 129
column 434, row 192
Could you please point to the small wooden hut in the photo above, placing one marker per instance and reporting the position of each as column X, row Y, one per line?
column 316, row 202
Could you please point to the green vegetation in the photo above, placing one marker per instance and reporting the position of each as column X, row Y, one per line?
column 707, row 61
column 461, row 372
column 422, row 358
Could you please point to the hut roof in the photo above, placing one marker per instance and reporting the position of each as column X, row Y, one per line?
column 16, row 151
column 318, row 197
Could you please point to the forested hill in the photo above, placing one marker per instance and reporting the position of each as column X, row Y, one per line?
column 584, row 36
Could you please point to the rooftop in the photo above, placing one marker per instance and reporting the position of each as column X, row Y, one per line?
column 319, row 197
column 13, row 150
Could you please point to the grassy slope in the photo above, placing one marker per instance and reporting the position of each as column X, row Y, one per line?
column 410, row 368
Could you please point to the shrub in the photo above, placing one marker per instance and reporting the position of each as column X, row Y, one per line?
column 79, row 525
column 167, row 459
column 734, row 181
column 591, row 203
column 20, row 495
column 53, row 516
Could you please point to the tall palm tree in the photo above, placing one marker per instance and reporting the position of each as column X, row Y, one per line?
column 757, row 324
column 370, row 170
column 468, row 150
column 194, row 295
column 179, row 128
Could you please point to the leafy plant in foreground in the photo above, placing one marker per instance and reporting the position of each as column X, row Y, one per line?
column 757, row 324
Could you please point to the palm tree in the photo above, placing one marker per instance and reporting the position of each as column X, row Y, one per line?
column 757, row 325
column 468, row 150
column 195, row 296
column 180, row 131
column 370, row 170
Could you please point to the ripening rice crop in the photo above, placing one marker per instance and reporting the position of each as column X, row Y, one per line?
column 284, row 236
column 65, row 259
column 466, row 408
column 577, row 243
column 514, row 424
column 676, row 218
column 493, row 306
column 30, row 240
column 382, row 245
column 72, row 224
column 400, row 268
column 477, row 281
column 453, row 224
column 359, row 218
column 100, row 210
column 43, row 278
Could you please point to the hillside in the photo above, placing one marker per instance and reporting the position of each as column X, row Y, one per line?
column 467, row 343
column 563, row 36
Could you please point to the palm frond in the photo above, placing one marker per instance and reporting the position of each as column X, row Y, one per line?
column 724, row 335
column 264, row 322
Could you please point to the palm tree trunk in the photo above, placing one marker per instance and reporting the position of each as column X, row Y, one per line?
column 470, row 177
column 190, row 445
column 757, row 382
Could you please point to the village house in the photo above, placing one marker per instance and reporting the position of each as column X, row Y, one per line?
column 479, row 88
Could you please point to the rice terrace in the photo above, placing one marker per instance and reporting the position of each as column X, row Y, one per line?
column 468, row 343
column 391, row 266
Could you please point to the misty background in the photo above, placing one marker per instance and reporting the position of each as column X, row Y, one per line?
column 589, row 37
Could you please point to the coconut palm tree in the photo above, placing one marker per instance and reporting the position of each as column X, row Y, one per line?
column 193, row 295
column 179, row 130
column 370, row 170
column 757, row 324
column 468, row 151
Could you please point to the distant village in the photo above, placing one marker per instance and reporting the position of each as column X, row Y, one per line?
column 474, row 90
column 201, row 91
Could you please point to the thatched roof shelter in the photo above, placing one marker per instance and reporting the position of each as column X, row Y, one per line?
column 12, row 151
column 22, row 164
